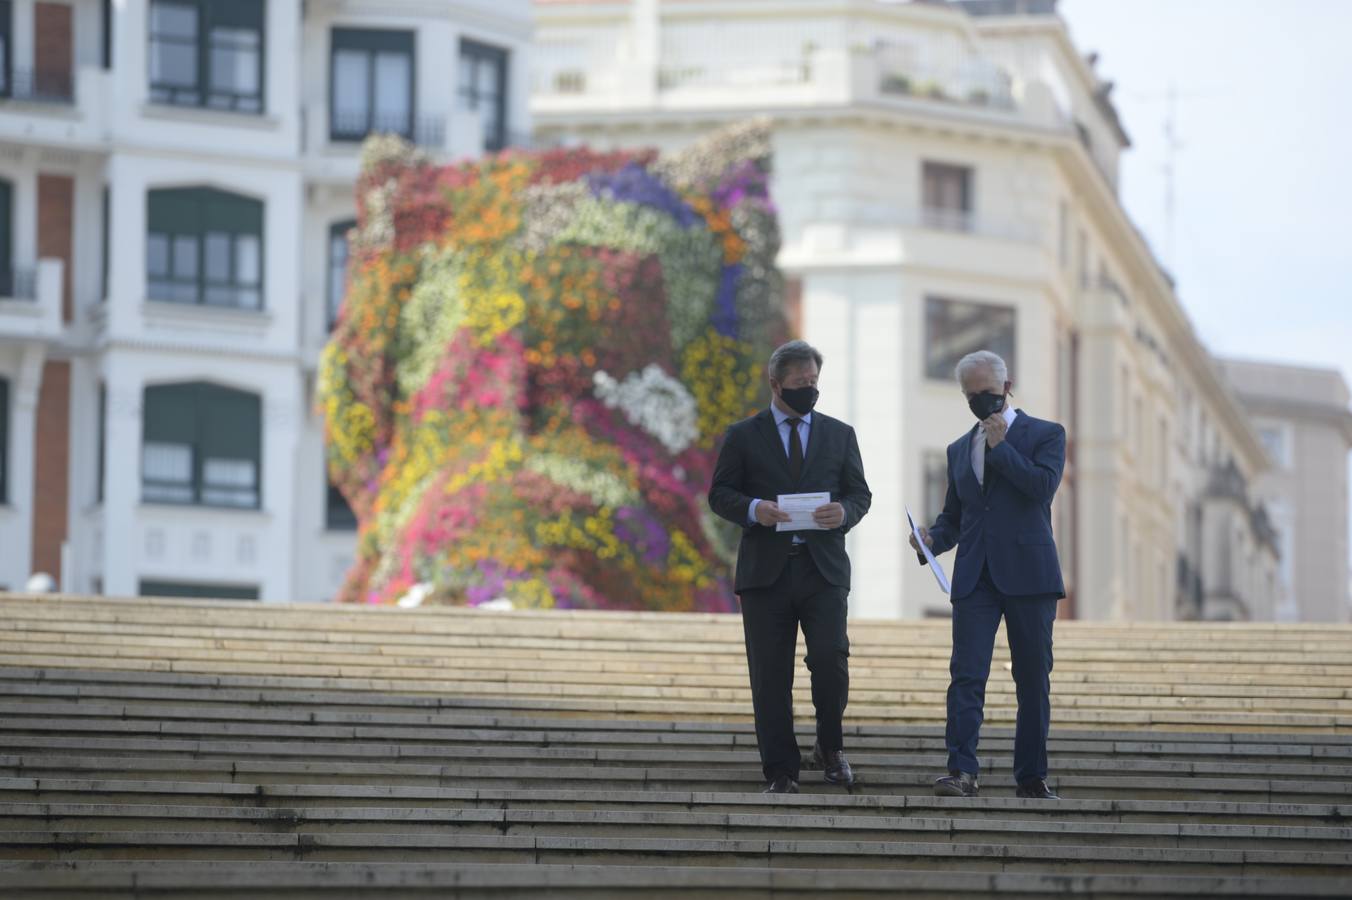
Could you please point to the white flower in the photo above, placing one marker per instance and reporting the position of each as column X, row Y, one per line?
column 415, row 595
column 655, row 402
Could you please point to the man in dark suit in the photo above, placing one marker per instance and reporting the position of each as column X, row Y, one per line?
column 788, row 578
column 1002, row 476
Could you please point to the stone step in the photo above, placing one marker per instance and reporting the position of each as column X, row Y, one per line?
column 120, row 879
column 169, row 753
column 456, row 675
column 78, row 818
column 1103, row 782
column 243, row 794
column 557, row 849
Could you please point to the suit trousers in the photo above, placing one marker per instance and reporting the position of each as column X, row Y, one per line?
column 1028, row 625
column 770, row 620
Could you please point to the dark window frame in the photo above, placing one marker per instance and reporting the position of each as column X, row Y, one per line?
column 944, row 216
column 499, row 57
column 942, row 369
column 371, row 41
column 193, row 214
column 211, row 14
column 8, row 277
column 103, row 440
column 4, row 441
column 339, row 229
column 196, row 425
column 338, row 513
column 7, row 39
column 195, row 590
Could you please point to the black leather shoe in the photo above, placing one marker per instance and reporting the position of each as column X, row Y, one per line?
column 957, row 784
column 1035, row 789
column 835, row 768
column 781, row 785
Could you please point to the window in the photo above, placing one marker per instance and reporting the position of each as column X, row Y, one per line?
column 1275, row 442
column 1063, row 235
column 205, row 246
column 936, row 485
column 1084, row 258
column 954, row 328
column 947, row 196
column 104, row 239
column 483, row 89
column 197, row 591
column 337, row 287
column 201, row 446
column 4, row 441
column 106, row 34
column 103, row 439
column 371, row 84
column 8, row 287
column 207, row 53
column 338, row 514
column 6, row 48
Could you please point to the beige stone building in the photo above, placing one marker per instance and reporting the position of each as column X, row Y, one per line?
column 1302, row 417
column 946, row 176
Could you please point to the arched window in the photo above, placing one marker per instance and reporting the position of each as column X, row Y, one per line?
column 201, row 445
column 204, row 246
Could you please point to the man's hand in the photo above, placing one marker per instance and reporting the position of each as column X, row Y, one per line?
column 769, row 514
column 929, row 541
column 996, row 426
column 829, row 515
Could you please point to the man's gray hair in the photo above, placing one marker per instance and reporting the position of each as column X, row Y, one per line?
column 982, row 359
column 794, row 353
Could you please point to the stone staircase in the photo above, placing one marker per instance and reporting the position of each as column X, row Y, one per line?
column 151, row 748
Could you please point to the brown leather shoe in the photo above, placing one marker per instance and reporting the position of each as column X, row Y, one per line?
column 957, row 784
column 1035, row 789
column 835, row 768
column 782, row 784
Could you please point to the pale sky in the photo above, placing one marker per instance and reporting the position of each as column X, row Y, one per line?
column 1263, row 182
column 1263, row 179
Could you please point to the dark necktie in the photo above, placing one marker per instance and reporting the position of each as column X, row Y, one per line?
column 986, row 469
column 795, row 450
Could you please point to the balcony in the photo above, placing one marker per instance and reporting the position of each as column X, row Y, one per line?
column 425, row 131
column 731, row 67
column 30, row 86
column 30, row 302
column 56, row 109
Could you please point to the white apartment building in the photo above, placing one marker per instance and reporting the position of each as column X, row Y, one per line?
column 176, row 185
column 946, row 176
column 1302, row 417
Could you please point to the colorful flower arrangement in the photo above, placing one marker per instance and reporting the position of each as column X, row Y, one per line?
column 535, row 362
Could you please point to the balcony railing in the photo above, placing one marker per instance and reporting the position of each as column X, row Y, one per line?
column 425, row 131
column 18, row 284
column 964, row 221
column 38, row 86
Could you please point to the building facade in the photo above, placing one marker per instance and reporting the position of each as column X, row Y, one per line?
column 1303, row 420
column 946, row 176
column 176, row 185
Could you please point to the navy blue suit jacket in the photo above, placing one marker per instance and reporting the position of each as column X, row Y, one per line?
column 1006, row 527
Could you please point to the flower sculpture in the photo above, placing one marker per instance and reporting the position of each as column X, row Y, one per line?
column 536, row 358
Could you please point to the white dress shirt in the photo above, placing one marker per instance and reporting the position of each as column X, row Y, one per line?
column 782, row 426
column 979, row 445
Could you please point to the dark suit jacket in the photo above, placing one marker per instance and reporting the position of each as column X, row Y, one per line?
column 753, row 465
column 1008, row 526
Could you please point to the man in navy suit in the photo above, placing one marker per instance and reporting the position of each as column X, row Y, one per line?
column 1002, row 476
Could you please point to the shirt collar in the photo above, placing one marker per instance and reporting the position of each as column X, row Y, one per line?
column 781, row 417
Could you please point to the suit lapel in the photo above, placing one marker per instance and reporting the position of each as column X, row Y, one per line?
column 765, row 424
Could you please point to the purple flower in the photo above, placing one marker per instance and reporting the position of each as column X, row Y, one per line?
column 725, row 302
column 644, row 533
column 634, row 184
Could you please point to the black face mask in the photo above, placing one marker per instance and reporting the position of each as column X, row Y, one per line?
column 800, row 400
column 985, row 404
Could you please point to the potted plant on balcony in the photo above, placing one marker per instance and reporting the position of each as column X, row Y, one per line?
column 896, row 83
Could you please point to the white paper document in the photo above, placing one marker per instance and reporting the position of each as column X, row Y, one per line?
column 938, row 570
column 800, row 507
